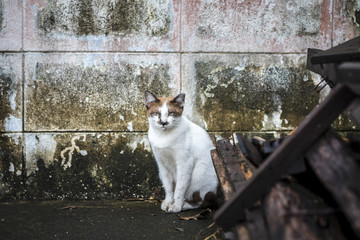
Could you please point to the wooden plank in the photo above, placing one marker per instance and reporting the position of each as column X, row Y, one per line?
column 293, row 214
column 347, row 51
column 225, row 185
column 349, row 74
column 353, row 112
column 316, row 123
column 249, row 150
column 334, row 164
column 242, row 232
column 232, row 166
column 247, row 168
column 256, row 224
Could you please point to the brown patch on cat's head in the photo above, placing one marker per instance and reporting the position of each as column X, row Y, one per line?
column 152, row 103
column 175, row 105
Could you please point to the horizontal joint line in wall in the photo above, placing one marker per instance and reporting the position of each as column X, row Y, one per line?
column 157, row 52
column 68, row 131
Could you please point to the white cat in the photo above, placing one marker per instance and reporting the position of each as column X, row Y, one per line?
column 182, row 152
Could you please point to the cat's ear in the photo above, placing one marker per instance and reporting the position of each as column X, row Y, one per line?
column 179, row 99
column 150, row 98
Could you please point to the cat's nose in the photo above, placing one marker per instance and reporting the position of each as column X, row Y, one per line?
column 164, row 123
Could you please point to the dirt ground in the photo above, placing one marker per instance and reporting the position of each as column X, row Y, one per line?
column 101, row 220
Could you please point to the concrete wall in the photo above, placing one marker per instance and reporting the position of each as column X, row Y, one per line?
column 73, row 74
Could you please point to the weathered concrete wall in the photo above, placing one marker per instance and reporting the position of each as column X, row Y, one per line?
column 73, row 74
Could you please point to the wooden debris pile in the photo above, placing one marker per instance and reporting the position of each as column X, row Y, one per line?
column 303, row 186
column 316, row 199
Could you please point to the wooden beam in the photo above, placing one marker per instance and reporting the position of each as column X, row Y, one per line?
column 315, row 124
column 225, row 185
column 232, row 165
column 334, row 164
column 292, row 212
column 249, row 150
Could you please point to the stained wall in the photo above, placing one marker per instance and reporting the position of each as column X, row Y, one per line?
column 73, row 75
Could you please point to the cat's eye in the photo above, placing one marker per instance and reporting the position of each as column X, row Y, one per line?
column 171, row 114
column 155, row 113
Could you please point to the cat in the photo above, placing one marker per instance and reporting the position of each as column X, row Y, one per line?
column 182, row 152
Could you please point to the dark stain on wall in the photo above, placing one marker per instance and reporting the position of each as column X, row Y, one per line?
column 109, row 170
column 84, row 20
column 1, row 15
column 307, row 20
column 244, row 96
column 352, row 9
column 86, row 17
column 11, row 179
column 6, row 88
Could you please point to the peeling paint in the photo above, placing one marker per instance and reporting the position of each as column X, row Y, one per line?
column 8, row 97
column 12, row 97
column 66, row 161
column 83, row 152
column 273, row 121
column 144, row 143
column 39, row 147
column 13, row 124
column 130, row 127
column 11, row 167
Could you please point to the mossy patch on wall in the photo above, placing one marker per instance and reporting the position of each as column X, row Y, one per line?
column 250, row 93
column 6, row 89
column 352, row 9
column 105, row 95
column 119, row 17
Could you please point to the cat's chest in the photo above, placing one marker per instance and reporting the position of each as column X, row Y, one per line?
column 167, row 140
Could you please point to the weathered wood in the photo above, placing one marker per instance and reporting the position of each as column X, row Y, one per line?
column 256, row 224
column 249, row 150
column 225, row 184
column 270, row 146
column 242, row 232
column 353, row 112
column 291, row 214
column 347, row 51
column 317, row 122
column 247, row 168
column 333, row 162
column 232, row 166
column 265, row 147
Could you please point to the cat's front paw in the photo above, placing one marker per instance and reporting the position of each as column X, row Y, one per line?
column 165, row 205
column 174, row 208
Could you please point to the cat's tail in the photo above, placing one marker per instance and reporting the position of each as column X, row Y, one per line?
column 210, row 201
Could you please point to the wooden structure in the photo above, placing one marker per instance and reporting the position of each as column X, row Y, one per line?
column 309, row 187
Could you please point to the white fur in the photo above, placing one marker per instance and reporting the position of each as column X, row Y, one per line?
column 182, row 152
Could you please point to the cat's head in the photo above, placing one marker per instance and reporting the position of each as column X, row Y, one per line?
column 164, row 113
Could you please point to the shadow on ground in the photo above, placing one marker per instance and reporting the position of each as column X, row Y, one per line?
column 100, row 220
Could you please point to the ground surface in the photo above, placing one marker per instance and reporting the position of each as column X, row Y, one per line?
column 99, row 220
